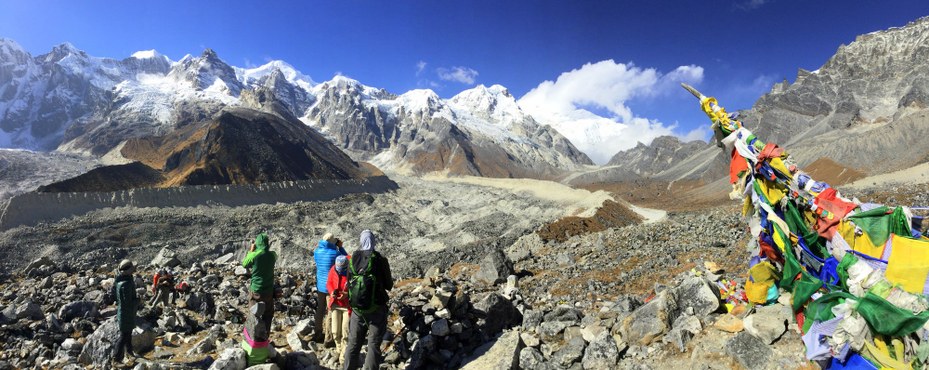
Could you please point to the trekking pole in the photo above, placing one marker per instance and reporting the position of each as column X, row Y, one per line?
column 392, row 341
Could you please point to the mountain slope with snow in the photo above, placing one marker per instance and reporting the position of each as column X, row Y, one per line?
column 73, row 102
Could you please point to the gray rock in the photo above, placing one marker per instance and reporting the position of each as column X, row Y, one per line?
column 768, row 323
column 304, row 327
column 749, row 351
column 165, row 258
column 494, row 268
column 101, row 345
column 532, row 318
column 224, row 259
column 143, row 339
column 240, row 271
column 502, row 353
column 565, row 313
column 648, row 322
column 531, row 358
column 301, row 361
column 551, row 331
column 497, row 313
column 79, row 309
column 230, row 359
column 293, row 340
column 602, row 353
column 682, row 331
column 572, row 352
column 697, row 294
column 440, row 328
column 28, row 310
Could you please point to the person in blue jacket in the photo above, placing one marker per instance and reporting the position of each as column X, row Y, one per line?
column 325, row 254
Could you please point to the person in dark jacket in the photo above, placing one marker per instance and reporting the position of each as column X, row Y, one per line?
column 325, row 254
column 372, row 324
column 127, row 302
column 260, row 260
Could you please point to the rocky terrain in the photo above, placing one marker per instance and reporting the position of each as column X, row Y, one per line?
column 492, row 293
column 23, row 171
column 865, row 109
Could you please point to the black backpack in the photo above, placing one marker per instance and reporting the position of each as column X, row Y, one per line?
column 362, row 287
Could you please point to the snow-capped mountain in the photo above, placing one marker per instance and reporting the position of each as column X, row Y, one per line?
column 73, row 102
column 481, row 131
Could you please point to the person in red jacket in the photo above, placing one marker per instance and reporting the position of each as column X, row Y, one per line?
column 339, row 309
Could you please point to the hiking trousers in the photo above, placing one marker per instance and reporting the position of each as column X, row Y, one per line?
column 123, row 345
column 318, row 318
column 373, row 326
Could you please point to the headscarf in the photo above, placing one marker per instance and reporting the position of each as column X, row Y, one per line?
column 340, row 263
column 367, row 240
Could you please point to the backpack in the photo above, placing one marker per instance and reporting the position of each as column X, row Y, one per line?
column 362, row 287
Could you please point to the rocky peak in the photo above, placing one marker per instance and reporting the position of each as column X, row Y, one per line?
column 62, row 51
column 12, row 52
column 207, row 72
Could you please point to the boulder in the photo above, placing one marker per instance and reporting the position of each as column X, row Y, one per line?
column 143, row 339
column 767, row 323
column 304, row 327
column 683, row 330
column 494, row 268
column 41, row 264
column 165, row 258
column 79, row 309
column 570, row 353
column 697, row 294
column 497, row 313
column 749, row 351
column 531, row 358
column 602, row 353
column 649, row 321
column 230, row 359
column 293, row 340
column 101, row 345
column 502, row 353
column 224, row 259
column 28, row 310
column 564, row 313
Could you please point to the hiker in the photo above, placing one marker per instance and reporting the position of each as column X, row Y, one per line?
column 325, row 254
column 260, row 260
column 369, row 280
column 126, row 304
column 163, row 288
column 339, row 309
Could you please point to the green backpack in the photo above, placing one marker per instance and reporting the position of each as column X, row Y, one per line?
column 362, row 287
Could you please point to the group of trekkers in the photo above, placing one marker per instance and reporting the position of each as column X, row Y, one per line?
column 351, row 295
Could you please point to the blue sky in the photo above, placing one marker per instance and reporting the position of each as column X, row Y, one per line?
column 740, row 47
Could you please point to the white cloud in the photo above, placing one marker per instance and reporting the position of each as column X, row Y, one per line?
column 564, row 104
column 463, row 75
column 751, row 4
column 420, row 66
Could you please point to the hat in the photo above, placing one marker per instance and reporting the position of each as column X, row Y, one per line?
column 341, row 262
column 328, row 237
column 125, row 265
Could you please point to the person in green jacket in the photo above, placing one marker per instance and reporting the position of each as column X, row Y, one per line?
column 127, row 303
column 260, row 260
